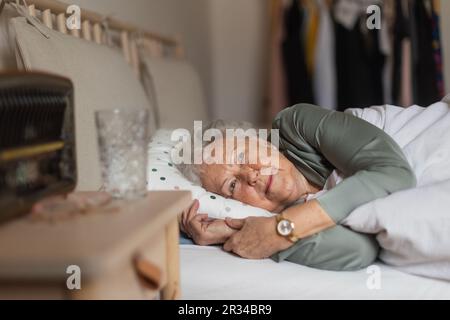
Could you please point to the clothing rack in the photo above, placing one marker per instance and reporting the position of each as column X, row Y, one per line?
column 406, row 87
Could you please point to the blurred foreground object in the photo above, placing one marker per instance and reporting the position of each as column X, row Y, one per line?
column 37, row 140
column 89, row 246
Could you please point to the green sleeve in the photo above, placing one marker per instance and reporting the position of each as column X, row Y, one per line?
column 372, row 161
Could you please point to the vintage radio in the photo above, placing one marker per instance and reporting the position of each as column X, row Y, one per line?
column 37, row 140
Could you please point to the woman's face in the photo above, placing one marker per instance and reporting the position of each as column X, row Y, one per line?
column 252, row 182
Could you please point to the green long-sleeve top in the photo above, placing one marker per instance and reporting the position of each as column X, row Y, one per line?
column 318, row 141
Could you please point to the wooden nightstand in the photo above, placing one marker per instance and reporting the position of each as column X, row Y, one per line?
column 124, row 250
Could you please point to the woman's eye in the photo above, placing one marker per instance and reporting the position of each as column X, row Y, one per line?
column 232, row 186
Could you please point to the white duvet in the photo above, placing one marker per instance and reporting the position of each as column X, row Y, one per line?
column 413, row 226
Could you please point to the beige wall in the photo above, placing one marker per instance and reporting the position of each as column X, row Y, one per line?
column 239, row 32
column 224, row 39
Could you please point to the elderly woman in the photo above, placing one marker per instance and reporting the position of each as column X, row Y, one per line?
column 313, row 143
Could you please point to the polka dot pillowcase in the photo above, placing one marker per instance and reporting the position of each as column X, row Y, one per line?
column 163, row 175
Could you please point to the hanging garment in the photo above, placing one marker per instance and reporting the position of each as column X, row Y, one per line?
column 278, row 98
column 299, row 84
column 324, row 75
column 406, row 93
column 359, row 65
column 425, row 88
column 312, row 28
column 437, row 52
column 386, row 47
column 401, row 73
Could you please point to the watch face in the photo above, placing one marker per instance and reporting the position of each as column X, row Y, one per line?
column 284, row 227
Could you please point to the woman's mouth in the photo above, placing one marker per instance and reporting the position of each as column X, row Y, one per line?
column 269, row 183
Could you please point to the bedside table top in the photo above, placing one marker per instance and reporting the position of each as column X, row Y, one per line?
column 94, row 241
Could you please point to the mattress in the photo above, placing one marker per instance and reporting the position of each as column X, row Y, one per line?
column 211, row 273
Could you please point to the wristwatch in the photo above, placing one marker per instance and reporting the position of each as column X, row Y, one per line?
column 285, row 228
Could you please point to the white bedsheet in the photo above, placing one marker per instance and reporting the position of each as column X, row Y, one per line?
column 211, row 273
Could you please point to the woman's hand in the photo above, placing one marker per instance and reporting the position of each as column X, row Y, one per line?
column 202, row 229
column 256, row 238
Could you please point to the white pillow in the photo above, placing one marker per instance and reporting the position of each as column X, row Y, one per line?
column 163, row 175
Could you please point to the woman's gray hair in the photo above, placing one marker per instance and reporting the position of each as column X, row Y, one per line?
column 193, row 171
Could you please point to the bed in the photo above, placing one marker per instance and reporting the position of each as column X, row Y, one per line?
column 211, row 273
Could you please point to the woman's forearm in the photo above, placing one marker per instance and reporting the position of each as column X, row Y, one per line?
column 309, row 218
